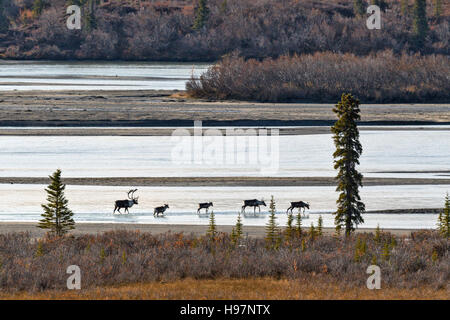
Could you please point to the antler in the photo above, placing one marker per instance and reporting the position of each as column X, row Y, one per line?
column 132, row 191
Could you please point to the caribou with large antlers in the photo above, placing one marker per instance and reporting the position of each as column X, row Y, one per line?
column 126, row 203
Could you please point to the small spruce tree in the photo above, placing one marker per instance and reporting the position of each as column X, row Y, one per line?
column 237, row 230
column 201, row 15
column 320, row 226
column 272, row 230
column 212, row 229
column 38, row 6
column 437, row 8
column 444, row 219
column 404, row 7
column 298, row 224
column 4, row 21
column 57, row 216
column 359, row 8
column 377, row 234
column 289, row 227
column 420, row 22
column 312, row 231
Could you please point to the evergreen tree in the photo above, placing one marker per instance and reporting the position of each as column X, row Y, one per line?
column 212, row 229
column 201, row 15
column 90, row 21
column 404, row 7
column 4, row 23
column 289, row 227
column 298, row 224
column 420, row 24
column 444, row 219
column 359, row 7
column 38, row 6
column 312, row 231
column 272, row 230
column 437, row 8
column 57, row 217
column 320, row 226
column 348, row 151
column 236, row 236
column 377, row 234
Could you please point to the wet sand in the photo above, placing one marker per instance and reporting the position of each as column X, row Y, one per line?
column 226, row 181
column 94, row 228
column 173, row 108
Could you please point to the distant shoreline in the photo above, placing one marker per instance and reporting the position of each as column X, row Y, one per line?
column 227, row 181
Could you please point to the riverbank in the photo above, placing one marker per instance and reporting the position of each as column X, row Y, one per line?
column 155, row 229
column 166, row 108
column 232, row 181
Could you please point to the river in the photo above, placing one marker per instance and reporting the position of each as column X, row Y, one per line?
column 74, row 75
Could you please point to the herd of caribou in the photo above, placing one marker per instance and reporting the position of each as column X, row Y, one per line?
column 132, row 200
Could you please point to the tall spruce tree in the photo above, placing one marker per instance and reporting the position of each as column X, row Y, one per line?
column 201, row 15
column 57, row 216
column 272, row 230
column 348, row 150
column 420, row 22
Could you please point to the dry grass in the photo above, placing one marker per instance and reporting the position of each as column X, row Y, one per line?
column 242, row 289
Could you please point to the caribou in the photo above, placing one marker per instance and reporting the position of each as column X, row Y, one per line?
column 204, row 205
column 126, row 203
column 253, row 203
column 298, row 204
column 160, row 210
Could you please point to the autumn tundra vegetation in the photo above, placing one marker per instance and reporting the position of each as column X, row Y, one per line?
column 205, row 30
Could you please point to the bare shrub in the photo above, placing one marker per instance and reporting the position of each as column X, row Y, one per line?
column 383, row 77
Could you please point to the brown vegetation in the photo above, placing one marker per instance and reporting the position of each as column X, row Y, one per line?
column 380, row 78
column 122, row 258
column 315, row 287
column 162, row 30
